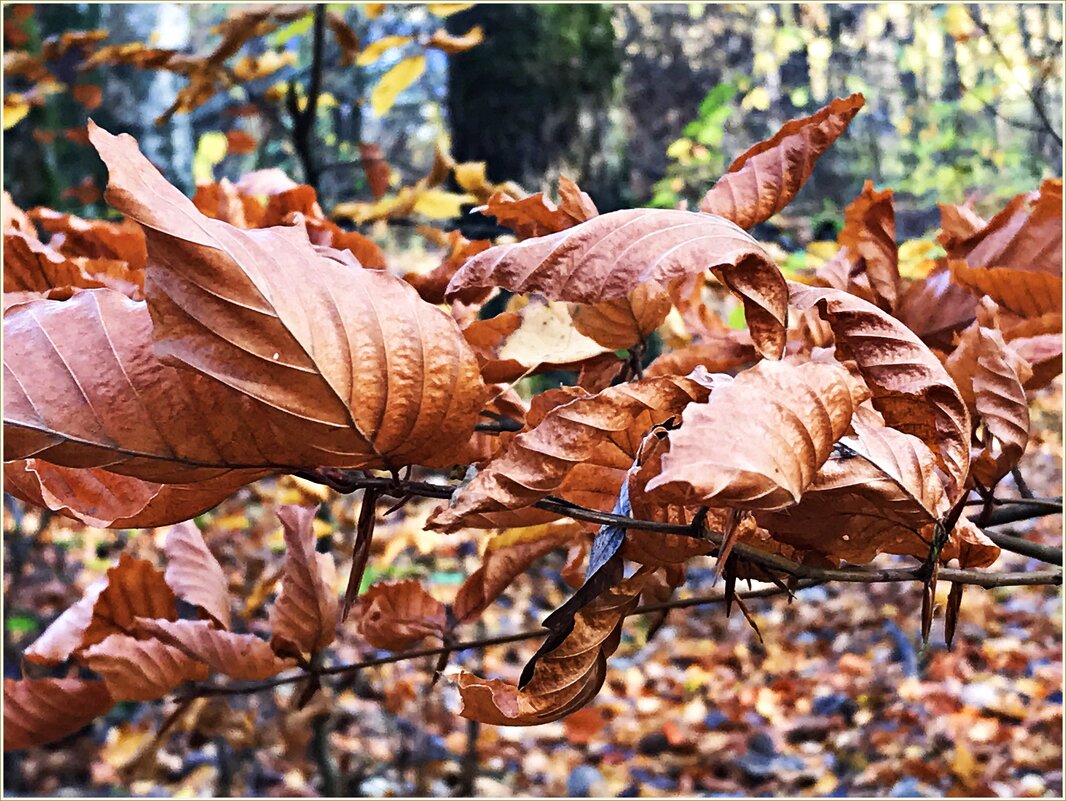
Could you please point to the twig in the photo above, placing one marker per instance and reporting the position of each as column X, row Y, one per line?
column 303, row 122
column 498, row 426
column 1048, row 554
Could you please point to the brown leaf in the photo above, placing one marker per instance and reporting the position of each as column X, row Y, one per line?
column 14, row 218
column 222, row 201
column 375, row 168
column 94, row 239
column 102, row 499
column 396, row 614
column 194, row 573
column 304, row 617
column 611, row 254
column 38, row 711
column 32, row 266
column 66, row 632
column 991, row 375
column 240, row 142
column 759, row 440
column 347, row 39
column 1029, row 293
column 536, row 215
column 623, row 322
column 135, row 589
column 446, row 42
column 239, row 656
column 957, row 225
column 725, row 352
column 1044, row 356
column 911, row 389
column 431, row 285
column 764, row 179
column 141, row 670
column 538, row 461
column 935, row 308
column 354, row 358
column 869, row 234
column 565, row 679
column 507, row 556
column 88, row 94
column 873, row 497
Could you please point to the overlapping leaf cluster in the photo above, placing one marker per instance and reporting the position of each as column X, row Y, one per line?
column 246, row 337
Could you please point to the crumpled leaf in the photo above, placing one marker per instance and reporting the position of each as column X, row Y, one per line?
column 396, row 614
column 623, row 322
column 94, row 239
column 1029, row 293
column 873, row 495
column 759, row 440
column 611, row 254
column 724, row 352
column 431, row 285
column 869, row 235
column 194, row 574
column 141, row 670
column 32, row 266
column 508, row 555
column 239, row 656
column 65, row 634
column 304, row 617
column 537, row 215
column 382, row 379
column 38, row 711
column 537, row 461
column 935, row 308
column 764, row 179
column 1043, row 353
column 910, row 386
column 102, row 499
column 564, row 679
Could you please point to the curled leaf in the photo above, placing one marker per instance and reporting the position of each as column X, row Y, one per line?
column 1029, row 293
column 141, row 670
column 396, row 614
column 764, row 179
column 194, row 574
column 304, row 617
column 240, row 656
column 611, row 254
column 38, row 711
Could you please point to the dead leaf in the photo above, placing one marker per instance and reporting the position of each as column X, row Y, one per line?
column 347, row 39
column 450, row 44
column 869, row 235
column 38, row 711
column 375, row 168
column 304, row 617
column 239, row 656
column 537, row 215
column 141, row 670
column 394, row 615
column 194, row 573
column 32, row 266
column 1029, row 293
column 94, row 239
column 724, row 352
column 764, row 179
column 910, row 386
column 611, row 254
column 759, row 440
column 623, row 322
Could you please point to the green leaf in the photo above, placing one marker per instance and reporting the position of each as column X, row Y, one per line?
column 22, row 624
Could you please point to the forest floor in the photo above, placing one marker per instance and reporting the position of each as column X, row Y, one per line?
column 839, row 698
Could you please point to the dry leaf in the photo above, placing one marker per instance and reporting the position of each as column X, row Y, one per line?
column 623, row 322
column 764, row 180
column 94, row 239
column 910, row 386
column 869, row 235
column 38, row 711
column 723, row 352
column 194, row 574
column 611, row 254
column 141, row 670
column 538, row 461
column 239, row 656
column 450, row 44
column 1029, row 293
column 304, row 617
column 396, row 614
column 759, row 440
column 537, row 215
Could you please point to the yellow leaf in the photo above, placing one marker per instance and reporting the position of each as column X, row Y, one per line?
column 374, row 10
column 210, row 150
column 447, row 9
column 438, row 204
column 15, row 110
column 958, row 22
column 395, row 81
column 373, row 51
column 471, row 175
column 758, row 99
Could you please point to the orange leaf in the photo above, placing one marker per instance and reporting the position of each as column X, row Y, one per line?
column 30, row 265
column 536, row 215
column 869, row 234
column 38, row 711
column 765, row 179
column 623, row 322
column 240, row 142
column 1029, row 293
column 89, row 95
column 194, row 574
column 304, row 617
column 141, row 670
column 239, row 656
column 446, row 42
column 396, row 614
column 375, row 168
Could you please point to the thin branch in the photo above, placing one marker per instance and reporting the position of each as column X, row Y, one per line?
column 1048, row 554
column 498, row 426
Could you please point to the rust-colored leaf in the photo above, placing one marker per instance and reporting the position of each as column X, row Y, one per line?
column 724, row 352
column 910, row 386
column 141, row 670
column 869, row 234
column 38, row 711
column 135, row 589
column 1044, row 356
column 358, row 363
column 1029, row 293
column 222, row 201
column 100, row 498
column 565, row 679
column 396, row 614
column 431, row 285
column 375, row 168
column 764, row 179
column 537, row 215
column 508, row 555
column 347, row 39
column 240, row 656
column 94, row 239
column 240, row 142
column 538, row 461
column 304, row 617
column 450, row 44
column 623, row 322
column 32, row 266
column 611, row 254
column 759, row 440
column 194, row 574
column 935, row 308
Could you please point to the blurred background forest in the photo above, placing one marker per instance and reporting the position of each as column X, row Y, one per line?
column 641, row 105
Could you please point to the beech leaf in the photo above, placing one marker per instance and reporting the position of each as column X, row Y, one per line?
column 239, row 656
column 759, row 440
column 194, row 574
column 1029, row 293
column 396, row 614
column 764, row 179
column 609, row 255
column 38, row 711
column 141, row 670
column 304, row 617
column 910, row 386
